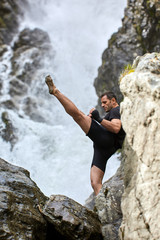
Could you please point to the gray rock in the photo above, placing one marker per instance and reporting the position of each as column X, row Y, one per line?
column 32, row 38
column 70, row 219
column 20, row 217
column 30, row 109
column 9, row 104
column 29, row 52
column 8, row 133
column 10, row 11
column 90, row 202
column 140, row 33
column 17, row 88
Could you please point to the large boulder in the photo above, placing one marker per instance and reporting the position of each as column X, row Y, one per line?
column 140, row 33
column 70, row 219
column 140, row 116
column 20, row 217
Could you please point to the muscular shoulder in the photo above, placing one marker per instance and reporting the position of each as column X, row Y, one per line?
column 114, row 113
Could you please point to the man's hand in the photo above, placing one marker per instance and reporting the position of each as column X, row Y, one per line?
column 96, row 116
column 90, row 112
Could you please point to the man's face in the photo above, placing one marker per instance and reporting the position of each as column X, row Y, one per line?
column 106, row 103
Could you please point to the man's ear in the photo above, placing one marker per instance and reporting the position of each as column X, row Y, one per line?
column 113, row 100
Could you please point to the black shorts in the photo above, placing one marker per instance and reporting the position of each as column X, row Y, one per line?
column 104, row 144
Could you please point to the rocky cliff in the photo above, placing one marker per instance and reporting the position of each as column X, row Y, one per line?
column 140, row 33
column 141, row 121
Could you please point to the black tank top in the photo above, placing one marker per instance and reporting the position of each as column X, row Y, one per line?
column 114, row 113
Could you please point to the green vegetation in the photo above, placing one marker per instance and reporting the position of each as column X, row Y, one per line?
column 127, row 70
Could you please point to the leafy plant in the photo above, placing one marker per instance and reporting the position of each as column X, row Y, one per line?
column 127, row 70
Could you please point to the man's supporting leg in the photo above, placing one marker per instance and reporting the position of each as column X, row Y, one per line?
column 79, row 117
column 96, row 179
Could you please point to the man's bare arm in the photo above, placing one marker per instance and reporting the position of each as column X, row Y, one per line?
column 113, row 126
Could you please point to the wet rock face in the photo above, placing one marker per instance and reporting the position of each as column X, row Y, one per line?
column 9, row 22
column 141, row 122
column 32, row 38
column 20, row 218
column 71, row 220
column 8, row 132
column 26, row 60
column 140, row 33
column 29, row 51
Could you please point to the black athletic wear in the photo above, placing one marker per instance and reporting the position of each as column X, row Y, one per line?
column 114, row 113
column 105, row 143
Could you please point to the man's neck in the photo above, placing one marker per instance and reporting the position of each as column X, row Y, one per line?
column 116, row 105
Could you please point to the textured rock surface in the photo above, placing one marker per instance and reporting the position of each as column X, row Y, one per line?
column 8, row 133
column 71, row 220
column 141, row 121
column 140, row 33
column 21, row 67
column 107, row 205
column 30, row 52
column 19, row 215
column 9, row 20
column 27, row 58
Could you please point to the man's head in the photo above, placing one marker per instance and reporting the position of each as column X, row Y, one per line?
column 108, row 101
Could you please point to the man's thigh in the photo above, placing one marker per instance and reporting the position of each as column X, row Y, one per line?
column 101, row 156
column 100, row 136
column 83, row 121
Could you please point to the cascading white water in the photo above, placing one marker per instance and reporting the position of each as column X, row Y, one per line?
column 59, row 155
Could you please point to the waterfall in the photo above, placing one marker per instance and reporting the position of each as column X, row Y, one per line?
column 58, row 154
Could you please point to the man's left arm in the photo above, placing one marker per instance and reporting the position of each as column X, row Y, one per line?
column 113, row 126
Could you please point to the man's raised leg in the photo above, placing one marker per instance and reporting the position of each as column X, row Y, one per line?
column 79, row 117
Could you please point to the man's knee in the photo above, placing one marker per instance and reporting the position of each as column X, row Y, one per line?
column 83, row 121
column 95, row 182
column 96, row 185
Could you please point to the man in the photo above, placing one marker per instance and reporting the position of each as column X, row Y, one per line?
column 106, row 133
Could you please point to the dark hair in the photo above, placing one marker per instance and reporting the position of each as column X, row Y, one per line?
column 109, row 95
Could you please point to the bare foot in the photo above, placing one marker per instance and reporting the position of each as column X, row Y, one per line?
column 50, row 84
